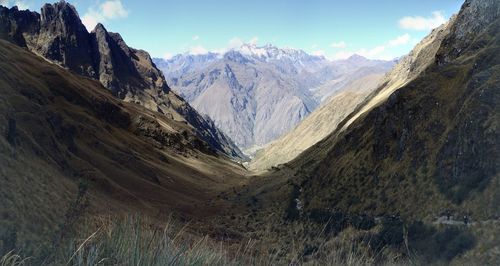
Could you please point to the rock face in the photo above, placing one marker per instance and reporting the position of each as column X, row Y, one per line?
column 256, row 94
column 58, row 35
column 427, row 145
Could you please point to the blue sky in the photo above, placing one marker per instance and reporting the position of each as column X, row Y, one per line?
column 375, row 29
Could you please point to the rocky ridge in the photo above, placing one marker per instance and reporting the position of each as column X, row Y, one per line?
column 58, row 35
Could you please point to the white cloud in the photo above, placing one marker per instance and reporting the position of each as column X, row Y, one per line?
column 340, row 45
column 167, row 56
column 90, row 19
column 21, row 5
column 422, row 23
column 111, row 9
column 197, row 50
column 400, row 40
column 254, row 40
column 234, row 43
column 374, row 53
column 380, row 52
column 195, row 38
column 318, row 53
column 342, row 55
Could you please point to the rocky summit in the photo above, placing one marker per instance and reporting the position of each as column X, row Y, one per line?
column 58, row 35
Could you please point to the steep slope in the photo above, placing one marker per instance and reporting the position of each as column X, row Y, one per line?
column 350, row 107
column 409, row 67
column 432, row 146
column 317, row 125
column 257, row 93
column 68, row 146
column 409, row 172
column 58, row 35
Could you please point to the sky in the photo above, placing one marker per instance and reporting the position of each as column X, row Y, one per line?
column 382, row 29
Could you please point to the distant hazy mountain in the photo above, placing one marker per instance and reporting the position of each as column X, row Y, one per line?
column 256, row 94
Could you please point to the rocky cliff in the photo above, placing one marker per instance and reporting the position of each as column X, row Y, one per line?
column 58, row 35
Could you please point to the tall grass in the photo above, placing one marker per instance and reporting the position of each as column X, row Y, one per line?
column 12, row 259
column 131, row 240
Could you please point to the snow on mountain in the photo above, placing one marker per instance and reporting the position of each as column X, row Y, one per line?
column 254, row 93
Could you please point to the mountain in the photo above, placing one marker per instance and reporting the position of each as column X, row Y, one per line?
column 406, row 173
column 257, row 93
column 355, row 99
column 65, row 139
column 58, row 35
column 317, row 125
column 415, row 167
column 426, row 141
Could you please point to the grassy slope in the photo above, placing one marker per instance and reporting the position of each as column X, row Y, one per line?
column 317, row 125
column 433, row 145
column 61, row 131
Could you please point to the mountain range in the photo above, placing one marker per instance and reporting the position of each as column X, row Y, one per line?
column 255, row 94
column 396, row 168
column 424, row 145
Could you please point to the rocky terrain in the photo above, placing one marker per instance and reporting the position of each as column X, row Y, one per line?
column 257, row 93
column 58, row 35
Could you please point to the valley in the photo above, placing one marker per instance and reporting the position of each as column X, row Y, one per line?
column 105, row 150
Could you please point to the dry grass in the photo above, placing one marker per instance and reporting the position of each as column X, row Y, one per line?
column 133, row 240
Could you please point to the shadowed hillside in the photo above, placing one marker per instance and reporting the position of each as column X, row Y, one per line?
column 428, row 149
column 65, row 138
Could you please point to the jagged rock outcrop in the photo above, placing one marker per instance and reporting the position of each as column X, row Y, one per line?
column 58, row 35
column 469, row 23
